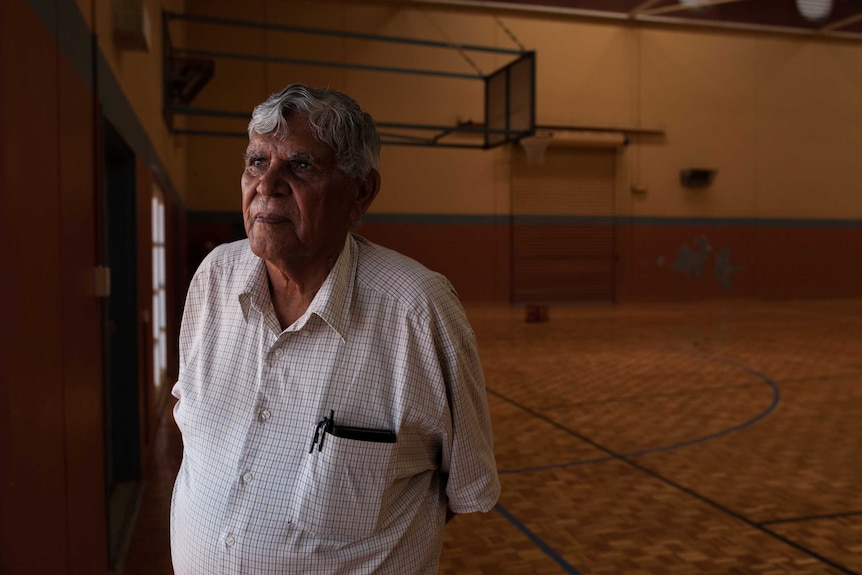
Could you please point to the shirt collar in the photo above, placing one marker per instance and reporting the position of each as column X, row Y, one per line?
column 255, row 292
column 331, row 303
column 333, row 299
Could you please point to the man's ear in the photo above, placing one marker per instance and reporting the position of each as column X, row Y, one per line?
column 365, row 193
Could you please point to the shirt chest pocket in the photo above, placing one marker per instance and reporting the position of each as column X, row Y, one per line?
column 341, row 488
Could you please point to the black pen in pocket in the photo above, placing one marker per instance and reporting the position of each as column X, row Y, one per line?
column 326, row 424
column 364, row 434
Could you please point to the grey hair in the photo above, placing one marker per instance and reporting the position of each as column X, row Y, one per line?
column 336, row 120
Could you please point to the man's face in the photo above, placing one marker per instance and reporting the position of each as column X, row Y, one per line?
column 297, row 205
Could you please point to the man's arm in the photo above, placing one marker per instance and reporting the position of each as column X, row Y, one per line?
column 472, row 483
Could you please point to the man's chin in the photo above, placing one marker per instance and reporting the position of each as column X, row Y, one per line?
column 269, row 249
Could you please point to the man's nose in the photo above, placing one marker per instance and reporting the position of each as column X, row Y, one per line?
column 273, row 183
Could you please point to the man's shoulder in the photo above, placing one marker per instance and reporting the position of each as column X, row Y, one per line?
column 227, row 268
column 384, row 270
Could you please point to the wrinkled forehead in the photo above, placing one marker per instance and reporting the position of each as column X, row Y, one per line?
column 293, row 134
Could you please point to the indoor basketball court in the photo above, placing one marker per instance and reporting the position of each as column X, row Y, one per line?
column 649, row 208
column 659, row 439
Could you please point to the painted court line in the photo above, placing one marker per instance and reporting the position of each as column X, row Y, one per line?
column 776, row 398
column 558, row 559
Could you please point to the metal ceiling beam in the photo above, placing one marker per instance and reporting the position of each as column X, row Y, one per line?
column 842, row 23
column 336, row 33
column 744, row 27
column 468, row 128
column 534, row 8
column 645, row 18
column 686, row 6
column 171, row 106
column 643, row 7
column 323, row 63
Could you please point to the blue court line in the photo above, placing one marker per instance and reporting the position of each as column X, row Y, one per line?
column 626, row 459
column 558, row 559
column 776, row 398
column 550, row 552
column 812, row 518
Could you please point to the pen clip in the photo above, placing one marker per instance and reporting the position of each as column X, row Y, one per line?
column 327, row 423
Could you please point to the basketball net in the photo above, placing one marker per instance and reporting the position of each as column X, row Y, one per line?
column 534, row 148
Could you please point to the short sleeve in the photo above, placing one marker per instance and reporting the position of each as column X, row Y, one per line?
column 468, row 457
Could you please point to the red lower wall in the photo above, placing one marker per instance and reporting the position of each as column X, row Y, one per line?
column 81, row 327
column 52, row 491
column 661, row 262
column 52, row 431
column 32, row 404
column 672, row 260
column 667, row 261
column 475, row 257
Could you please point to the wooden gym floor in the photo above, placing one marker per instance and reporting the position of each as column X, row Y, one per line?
column 686, row 438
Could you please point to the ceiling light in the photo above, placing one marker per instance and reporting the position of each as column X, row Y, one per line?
column 695, row 5
column 814, row 10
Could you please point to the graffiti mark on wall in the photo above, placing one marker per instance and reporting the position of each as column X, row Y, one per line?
column 692, row 261
column 724, row 268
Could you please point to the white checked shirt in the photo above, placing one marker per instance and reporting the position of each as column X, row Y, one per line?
column 385, row 345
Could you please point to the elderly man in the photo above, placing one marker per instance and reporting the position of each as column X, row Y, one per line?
column 331, row 400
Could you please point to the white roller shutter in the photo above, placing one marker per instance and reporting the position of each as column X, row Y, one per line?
column 563, row 237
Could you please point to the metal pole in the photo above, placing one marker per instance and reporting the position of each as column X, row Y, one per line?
column 338, row 33
column 302, row 62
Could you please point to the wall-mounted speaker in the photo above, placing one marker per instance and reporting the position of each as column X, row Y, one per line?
column 131, row 25
column 696, row 177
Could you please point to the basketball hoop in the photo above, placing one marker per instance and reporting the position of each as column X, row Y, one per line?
column 535, row 146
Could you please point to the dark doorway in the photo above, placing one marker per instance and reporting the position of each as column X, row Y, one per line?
column 121, row 345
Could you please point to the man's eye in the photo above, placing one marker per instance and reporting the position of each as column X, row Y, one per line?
column 256, row 164
column 301, row 165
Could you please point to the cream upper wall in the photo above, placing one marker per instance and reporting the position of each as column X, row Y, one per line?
column 140, row 77
column 454, row 181
column 810, row 142
column 700, row 87
column 775, row 115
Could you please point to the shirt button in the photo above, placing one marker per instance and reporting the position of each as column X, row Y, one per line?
column 265, row 415
column 229, row 541
column 247, row 477
column 279, row 353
